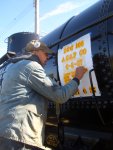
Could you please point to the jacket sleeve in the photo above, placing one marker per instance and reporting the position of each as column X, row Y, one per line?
column 45, row 86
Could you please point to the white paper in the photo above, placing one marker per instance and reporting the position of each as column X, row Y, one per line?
column 75, row 54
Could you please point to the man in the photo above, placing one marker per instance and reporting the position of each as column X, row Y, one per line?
column 25, row 91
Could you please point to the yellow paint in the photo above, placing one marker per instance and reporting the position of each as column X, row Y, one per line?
column 79, row 62
column 84, row 90
column 68, row 48
column 77, row 93
column 63, row 60
column 90, row 90
column 69, row 57
column 52, row 140
column 79, row 44
column 68, row 76
column 83, row 52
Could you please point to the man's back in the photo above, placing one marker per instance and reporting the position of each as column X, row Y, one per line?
column 21, row 107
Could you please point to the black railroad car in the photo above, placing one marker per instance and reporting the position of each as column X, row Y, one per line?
column 84, row 122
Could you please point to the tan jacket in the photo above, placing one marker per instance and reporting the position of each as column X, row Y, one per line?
column 24, row 99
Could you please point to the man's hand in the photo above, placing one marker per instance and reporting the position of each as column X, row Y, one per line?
column 80, row 71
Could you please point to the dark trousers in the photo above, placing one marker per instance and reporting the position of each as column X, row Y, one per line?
column 8, row 144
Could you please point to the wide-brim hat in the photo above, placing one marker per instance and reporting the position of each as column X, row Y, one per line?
column 38, row 45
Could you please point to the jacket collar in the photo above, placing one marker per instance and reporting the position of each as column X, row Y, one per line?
column 19, row 58
column 25, row 57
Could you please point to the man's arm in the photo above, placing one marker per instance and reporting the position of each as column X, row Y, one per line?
column 46, row 87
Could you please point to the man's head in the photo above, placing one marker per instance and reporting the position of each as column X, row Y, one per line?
column 39, row 49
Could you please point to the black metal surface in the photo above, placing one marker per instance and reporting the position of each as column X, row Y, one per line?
column 90, row 117
column 96, row 23
column 89, row 113
column 7, row 56
column 18, row 41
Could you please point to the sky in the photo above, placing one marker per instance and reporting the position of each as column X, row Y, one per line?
column 19, row 16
